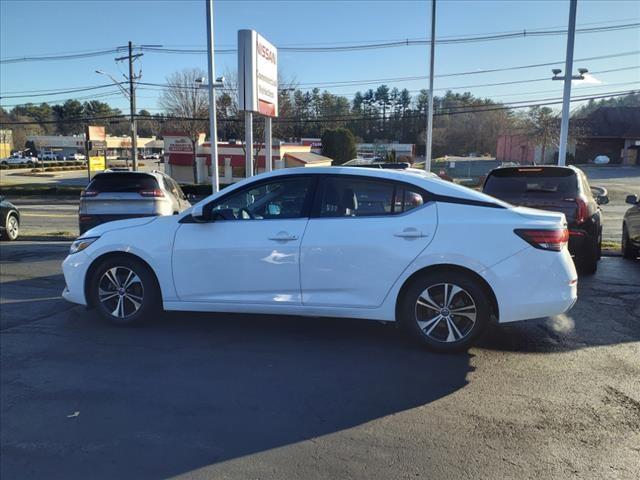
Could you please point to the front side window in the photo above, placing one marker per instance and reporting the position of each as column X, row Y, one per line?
column 355, row 197
column 279, row 199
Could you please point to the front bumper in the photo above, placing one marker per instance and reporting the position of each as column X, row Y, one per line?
column 75, row 269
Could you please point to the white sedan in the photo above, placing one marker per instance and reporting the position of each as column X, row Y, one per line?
column 20, row 160
column 339, row 242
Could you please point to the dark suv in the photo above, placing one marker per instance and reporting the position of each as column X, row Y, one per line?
column 559, row 189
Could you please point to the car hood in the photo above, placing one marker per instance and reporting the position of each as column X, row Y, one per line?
column 118, row 225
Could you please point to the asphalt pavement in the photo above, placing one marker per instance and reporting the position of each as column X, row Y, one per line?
column 273, row 397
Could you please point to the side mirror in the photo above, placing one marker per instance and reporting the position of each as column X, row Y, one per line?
column 200, row 214
column 600, row 194
column 632, row 199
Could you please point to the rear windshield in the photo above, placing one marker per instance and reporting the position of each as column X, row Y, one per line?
column 533, row 181
column 122, row 182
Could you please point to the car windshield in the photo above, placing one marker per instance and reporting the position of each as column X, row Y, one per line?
column 531, row 182
column 122, row 182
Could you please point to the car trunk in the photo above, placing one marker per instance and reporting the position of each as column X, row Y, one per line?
column 566, row 205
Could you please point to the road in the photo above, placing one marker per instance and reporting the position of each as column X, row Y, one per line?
column 238, row 396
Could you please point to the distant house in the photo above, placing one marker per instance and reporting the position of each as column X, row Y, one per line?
column 610, row 131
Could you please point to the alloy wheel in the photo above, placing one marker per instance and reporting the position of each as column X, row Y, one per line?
column 12, row 227
column 120, row 292
column 446, row 312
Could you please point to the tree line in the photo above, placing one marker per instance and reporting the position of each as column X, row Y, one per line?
column 464, row 123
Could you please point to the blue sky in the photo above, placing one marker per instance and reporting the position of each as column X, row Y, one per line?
column 52, row 27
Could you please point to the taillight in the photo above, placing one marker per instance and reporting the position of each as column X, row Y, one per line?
column 545, row 239
column 156, row 193
column 88, row 193
column 583, row 209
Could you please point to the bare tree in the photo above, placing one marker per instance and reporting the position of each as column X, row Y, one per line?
column 182, row 98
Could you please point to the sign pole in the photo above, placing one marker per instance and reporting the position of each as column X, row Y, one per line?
column 248, row 141
column 429, row 139
column 213, row 132
column 268, row 145
column 87, row 154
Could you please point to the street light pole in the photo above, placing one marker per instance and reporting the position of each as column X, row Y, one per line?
column 132, row 105
column 213, row 132
column 566, row 96
column 429, row 139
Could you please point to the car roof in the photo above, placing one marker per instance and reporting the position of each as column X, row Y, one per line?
column 433, row 184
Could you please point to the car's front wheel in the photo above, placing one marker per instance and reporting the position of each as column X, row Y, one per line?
column 445, row 311
column 125, row 291
column 12, row 227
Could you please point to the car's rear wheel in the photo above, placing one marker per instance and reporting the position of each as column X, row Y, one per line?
column 446, row 311
column 628, row 250
column 587, row 260
column 125, row 291
column 11, row 227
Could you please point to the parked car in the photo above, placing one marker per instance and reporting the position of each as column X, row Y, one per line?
column 75, row 156
column 376, row 244
column 116, row 195
column 558, row 189
column 17, row 159
column 9, row 220
column 631, row 229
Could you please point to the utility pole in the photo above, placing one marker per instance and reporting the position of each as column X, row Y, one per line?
column 132, row 104
column 213, row 132
column 429, row 140
column 566, row 96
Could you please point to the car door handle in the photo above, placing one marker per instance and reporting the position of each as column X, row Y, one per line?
column 283, row 236
column 410, row 233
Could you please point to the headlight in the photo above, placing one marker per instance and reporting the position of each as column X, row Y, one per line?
column 81, row 243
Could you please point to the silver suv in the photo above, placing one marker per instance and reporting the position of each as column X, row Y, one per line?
column 117, row 195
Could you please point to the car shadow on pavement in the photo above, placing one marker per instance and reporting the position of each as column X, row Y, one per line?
column 193, row 390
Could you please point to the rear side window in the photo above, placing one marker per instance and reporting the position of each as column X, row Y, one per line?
column 122, row 182
column 355, row 197
column 531, row 182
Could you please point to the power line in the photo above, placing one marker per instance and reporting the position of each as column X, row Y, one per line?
column 17, row 94
column 75, row 90
column 411, row 42
column 344, row 48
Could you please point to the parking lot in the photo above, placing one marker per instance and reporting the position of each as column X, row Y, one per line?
column 239, row 396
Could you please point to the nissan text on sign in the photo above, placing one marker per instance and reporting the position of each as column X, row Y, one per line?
column 257, row 74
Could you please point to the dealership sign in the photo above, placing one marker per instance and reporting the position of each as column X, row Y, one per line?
column 257, row 74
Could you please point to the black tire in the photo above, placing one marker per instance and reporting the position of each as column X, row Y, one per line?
column 587, row 260
column 105, row 296
column 628, row 250
column 11, row 227
column 419, row 320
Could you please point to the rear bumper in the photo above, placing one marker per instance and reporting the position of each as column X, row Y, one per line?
column 534, row 283
column 87, row 221
column 580, row 241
